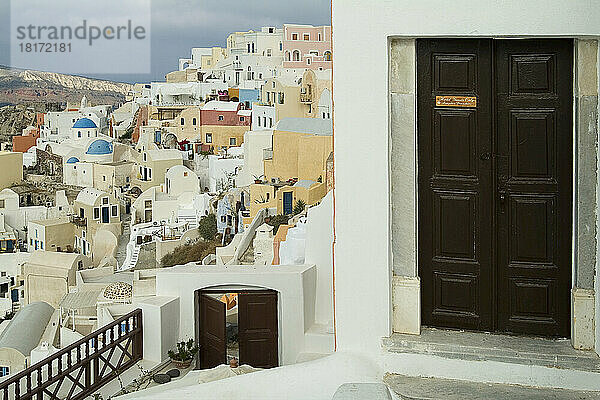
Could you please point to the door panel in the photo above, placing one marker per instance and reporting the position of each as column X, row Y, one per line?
column 534, row 184
column 105, row 215
column 258, row 330
column 455, row 179
column 287, row 202
column 213, row 341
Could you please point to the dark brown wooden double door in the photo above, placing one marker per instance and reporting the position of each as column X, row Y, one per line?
column 495, row 184
column 257, row 329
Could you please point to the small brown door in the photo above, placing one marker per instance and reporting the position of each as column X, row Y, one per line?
column 495, row 184
column 212, row 338
column 257, row 329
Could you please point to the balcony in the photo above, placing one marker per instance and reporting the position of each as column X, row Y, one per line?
column 80, row 369
column 306, row 98
column 78, row 221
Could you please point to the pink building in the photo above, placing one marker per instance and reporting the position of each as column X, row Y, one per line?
column 225, row 113
column 307, row 46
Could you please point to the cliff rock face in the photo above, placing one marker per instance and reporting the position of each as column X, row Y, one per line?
column 26, row 86
column 25, row 92
column 13, row 119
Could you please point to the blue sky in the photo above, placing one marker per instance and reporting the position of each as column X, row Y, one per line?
column 179, row 25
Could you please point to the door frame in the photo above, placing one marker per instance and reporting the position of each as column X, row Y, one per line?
column 404, row 280
column 232, row 288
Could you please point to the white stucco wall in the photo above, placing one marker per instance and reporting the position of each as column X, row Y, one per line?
column 362, row 255
column 219, row 169
column 254, row 143
column 160, row 318
column 318, row 251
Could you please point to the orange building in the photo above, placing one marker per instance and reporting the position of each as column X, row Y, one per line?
column 26, row 141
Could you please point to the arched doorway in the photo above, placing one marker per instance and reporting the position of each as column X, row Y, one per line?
column 240, row 322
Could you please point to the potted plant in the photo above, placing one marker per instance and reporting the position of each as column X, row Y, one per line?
column 183, row 354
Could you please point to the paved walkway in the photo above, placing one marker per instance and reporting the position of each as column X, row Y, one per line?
column 412, row 388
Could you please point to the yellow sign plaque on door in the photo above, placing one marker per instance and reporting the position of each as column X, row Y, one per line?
column 456, row 101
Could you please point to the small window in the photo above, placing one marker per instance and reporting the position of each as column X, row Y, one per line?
column 194, row 121
column 105, row 200
column 242, row 119
column 96, row 213
column 4, row 371
column 182, row 121
column 144, row 156
column 149, row 173
column 220, row 118
column 185, row 173
column 78, row 134
column 294, row 36
column 1, row 203
column 258, row 119
column 232, row 141
column 104, row 178
column 114, row 211
column 270, row 122
column 280, row 46
column 209, row 138
column 223, row 219
column 319, row 36
column 306, row 36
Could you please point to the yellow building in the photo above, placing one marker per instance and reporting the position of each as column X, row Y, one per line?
column 55, row 234
column 222, row 137
column 11, row 165
column 152, row 166
column 283, row 93
column 111, row 177
column 296, row 170
column 315, row 93
column 301, row 147
column 283, row 197
column 210, row 61
column 187, row 124
column 96, row 211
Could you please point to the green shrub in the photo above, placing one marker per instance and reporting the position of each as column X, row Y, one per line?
column 298, row 207
column 184, row 351
column 277, row 220
column 208, row 227
column 128, row 133
column 187, row 253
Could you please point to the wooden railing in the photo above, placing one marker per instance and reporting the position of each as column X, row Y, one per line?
column 83, row 367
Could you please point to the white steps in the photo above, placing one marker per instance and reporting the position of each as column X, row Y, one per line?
column 492, row 358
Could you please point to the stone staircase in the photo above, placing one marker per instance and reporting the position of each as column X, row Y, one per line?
column 188, row 216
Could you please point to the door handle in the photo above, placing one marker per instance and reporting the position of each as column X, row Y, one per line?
column 501, row 201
